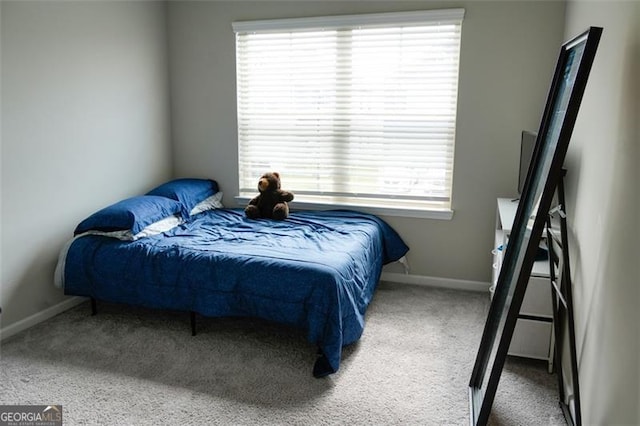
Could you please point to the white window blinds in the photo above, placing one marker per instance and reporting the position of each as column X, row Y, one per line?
column 355, row 110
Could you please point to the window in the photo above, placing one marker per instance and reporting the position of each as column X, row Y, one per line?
column 352, row 110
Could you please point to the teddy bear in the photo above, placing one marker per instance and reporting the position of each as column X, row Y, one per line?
column 272, row 201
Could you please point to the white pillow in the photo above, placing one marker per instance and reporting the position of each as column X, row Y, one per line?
column 155, row 228
column 210, row 203
column 163, row 225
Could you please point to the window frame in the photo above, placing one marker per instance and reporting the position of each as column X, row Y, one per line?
column 426, row 209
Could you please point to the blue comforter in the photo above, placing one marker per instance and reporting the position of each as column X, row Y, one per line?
column 316, row 271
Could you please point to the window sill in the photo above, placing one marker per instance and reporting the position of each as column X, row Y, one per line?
column 420, row 213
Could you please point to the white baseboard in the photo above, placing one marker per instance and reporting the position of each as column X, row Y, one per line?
column 449, row 283
column 37, row 318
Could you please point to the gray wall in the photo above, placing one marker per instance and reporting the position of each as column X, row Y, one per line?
column 85, row 122
column 603, row 208
column 507, row 60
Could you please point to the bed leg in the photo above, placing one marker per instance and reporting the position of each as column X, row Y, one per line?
column 192, row 316
column 321, row 368
column 94, row 308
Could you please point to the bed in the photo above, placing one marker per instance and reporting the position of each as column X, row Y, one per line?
column 316, row 270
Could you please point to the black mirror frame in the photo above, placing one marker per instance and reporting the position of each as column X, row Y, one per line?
column 563, row 102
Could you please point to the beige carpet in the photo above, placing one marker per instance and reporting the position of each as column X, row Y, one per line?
column 131, row 366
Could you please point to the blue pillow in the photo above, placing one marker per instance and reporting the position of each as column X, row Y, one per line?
column 188, row 191
column 132, row 214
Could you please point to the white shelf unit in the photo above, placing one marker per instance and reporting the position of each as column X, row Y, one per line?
column 533, row 335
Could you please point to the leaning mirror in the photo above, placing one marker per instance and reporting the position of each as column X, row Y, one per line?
column 567, row 87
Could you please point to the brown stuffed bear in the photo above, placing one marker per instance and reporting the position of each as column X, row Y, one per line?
column 272, row 201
